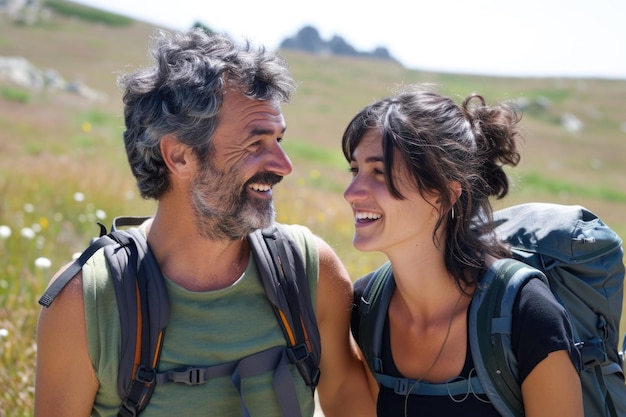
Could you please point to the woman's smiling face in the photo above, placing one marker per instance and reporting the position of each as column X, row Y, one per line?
column 383, row 222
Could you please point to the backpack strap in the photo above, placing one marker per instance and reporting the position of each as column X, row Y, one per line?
column 372, row 313
column 284, row 277
column 142, row 295
column 74, row 268
column 373, row 308
column 138, row 360
column 490, row 318
column 274, row 360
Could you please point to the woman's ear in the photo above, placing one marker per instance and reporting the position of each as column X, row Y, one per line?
column 177, row 156
column 455, row 190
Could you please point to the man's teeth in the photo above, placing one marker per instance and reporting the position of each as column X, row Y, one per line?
column 364, row 215
column 261, row 187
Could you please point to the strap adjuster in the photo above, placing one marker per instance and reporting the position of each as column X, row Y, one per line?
column 402, row 386
column 145, row 375
column 298, row 353
column 127, row 409
column 593, row 352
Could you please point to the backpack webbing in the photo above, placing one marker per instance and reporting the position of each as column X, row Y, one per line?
column 280, row 264
column 489, row 322
column 373, row 308
column 141, row 293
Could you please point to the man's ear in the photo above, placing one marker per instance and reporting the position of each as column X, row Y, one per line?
column 177, row 156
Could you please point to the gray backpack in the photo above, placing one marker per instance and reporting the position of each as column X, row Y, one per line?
column 580, row 258
column 137, row 276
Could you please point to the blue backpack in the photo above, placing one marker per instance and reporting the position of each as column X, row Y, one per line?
column 581, row 260
column 143, row 306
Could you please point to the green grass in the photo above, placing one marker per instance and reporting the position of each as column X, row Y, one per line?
column 15, row 94
column 87, row 13
column 534, row 181
column 302, row 149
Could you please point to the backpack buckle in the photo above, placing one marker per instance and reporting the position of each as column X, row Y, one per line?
column 145, row 375
column 298, row 353
column 127, row 409
column 593, row 352
column 140, row 392
column 402, row 386
column 189, row 376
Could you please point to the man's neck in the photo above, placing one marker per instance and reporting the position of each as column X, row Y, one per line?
column 193, row 261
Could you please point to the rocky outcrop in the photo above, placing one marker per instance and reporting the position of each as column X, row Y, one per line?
column 20, row 72
column 308, row 39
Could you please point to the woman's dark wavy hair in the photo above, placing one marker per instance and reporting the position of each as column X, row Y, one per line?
column 441, row 142
column 181, row 94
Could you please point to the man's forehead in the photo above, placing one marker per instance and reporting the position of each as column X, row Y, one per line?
column 239, row 105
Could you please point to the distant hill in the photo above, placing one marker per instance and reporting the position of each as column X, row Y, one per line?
column 309, row 40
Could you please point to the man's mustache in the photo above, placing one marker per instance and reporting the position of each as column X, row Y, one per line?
column 265, row 178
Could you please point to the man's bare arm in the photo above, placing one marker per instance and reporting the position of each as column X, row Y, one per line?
column 66, row 383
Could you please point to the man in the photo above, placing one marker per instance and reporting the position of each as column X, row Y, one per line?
column 203, row 133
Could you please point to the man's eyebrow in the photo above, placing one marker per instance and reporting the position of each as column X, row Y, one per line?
column 259, row 131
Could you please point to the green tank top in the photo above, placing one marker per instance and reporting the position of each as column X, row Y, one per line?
column 205, row 328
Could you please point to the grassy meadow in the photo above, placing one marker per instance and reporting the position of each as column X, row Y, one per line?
column 63, row 167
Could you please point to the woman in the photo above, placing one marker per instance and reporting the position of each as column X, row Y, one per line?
column 423, row 168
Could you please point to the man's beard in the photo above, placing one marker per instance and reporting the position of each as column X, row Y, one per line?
column 223, row 208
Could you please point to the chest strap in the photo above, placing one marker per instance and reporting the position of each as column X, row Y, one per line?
column 275, row 359
column 457, row 387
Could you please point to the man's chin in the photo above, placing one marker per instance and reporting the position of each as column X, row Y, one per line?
column 266, row 221
column 261, row 215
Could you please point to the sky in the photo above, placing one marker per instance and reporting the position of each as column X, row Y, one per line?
column 529, row 38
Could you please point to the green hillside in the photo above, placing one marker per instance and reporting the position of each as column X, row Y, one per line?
column 62, row 164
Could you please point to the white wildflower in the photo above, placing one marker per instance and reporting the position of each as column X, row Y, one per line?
column 5, row 232
column 101, row 214
column 29, row 208
column 43, row 263
column 28, row 233
column 78, row 197
column 4, row 332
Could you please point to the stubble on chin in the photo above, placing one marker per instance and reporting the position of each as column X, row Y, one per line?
column 225, row 209
column 229, row 217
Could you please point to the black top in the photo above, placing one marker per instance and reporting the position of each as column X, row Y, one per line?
column 540, row 326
